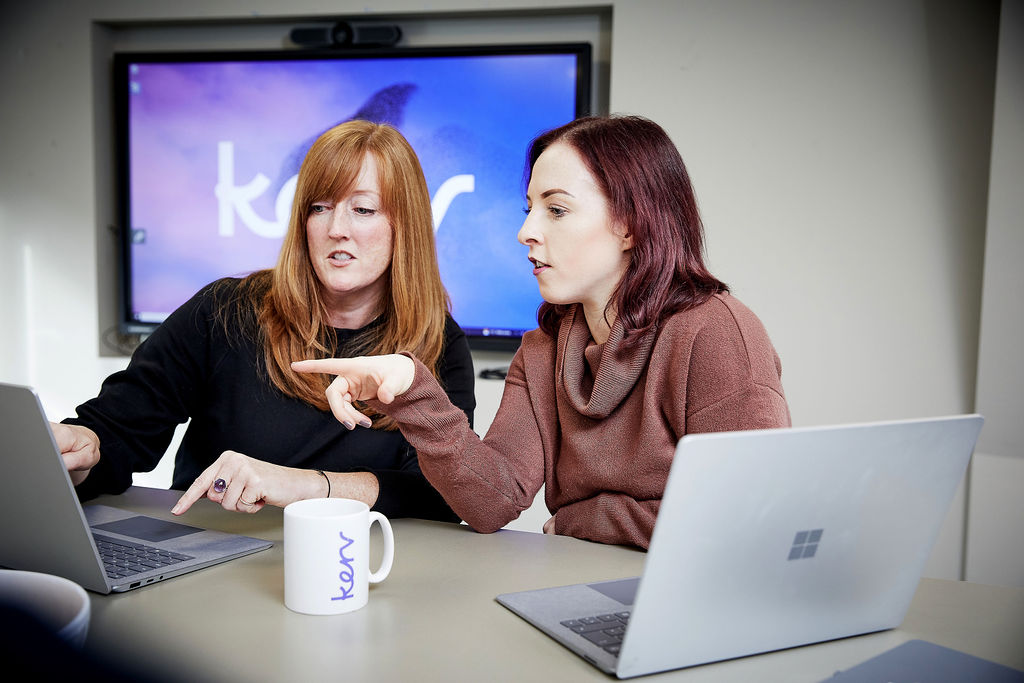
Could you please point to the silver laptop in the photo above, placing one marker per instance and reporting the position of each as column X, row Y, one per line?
column 770, row 539
column 45, row 529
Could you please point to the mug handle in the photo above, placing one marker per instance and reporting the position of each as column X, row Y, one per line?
column 389, row 548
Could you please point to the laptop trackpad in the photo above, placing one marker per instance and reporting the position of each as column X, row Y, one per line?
column 148, row 528
column 623, row 590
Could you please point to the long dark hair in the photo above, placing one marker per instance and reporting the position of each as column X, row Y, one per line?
column 644, row 179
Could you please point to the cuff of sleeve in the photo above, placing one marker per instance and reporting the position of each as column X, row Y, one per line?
column 105, row 476
column 424, row 406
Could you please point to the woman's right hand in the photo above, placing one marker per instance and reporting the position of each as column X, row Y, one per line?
column 80, row 448
column 359, row 379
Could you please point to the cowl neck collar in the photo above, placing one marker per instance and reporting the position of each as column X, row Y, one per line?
column 596, row 378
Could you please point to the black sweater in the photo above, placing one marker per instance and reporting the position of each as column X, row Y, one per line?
column 188, row 368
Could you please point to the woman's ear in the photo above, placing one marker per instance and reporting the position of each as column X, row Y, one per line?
column 625, row 237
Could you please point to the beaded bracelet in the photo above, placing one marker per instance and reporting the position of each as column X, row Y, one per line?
column 327, row 480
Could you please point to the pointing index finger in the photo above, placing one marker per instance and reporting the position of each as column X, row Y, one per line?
column 331, row 366
column 196, row 491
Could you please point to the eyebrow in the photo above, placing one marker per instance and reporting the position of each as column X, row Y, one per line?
column 547, row 193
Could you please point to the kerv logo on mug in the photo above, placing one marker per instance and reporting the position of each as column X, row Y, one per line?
column 347, row 575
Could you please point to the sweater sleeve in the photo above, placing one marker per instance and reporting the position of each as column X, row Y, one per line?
column 487, row 482
column 137, row 409
column 405, row 492
column 609, row 517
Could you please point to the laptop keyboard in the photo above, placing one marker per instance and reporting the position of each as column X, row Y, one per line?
column 125, row 558
column 604, row 630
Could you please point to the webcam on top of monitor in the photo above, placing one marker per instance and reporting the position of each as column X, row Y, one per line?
column 347, row 34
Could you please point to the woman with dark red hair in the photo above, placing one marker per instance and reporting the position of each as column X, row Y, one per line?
column 638, row 345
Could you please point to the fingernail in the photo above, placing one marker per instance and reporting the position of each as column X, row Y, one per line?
column 348, row 425
column 366, row 422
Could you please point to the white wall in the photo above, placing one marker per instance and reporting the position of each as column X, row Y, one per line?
column 840, row 152
column 995, row 544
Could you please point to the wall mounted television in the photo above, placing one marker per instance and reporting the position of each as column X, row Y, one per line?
column 209, row 145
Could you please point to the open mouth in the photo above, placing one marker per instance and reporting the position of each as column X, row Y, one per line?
column 538, row 264
column 340, row 256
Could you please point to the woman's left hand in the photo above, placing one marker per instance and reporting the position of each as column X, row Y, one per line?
column 549, row 526
column 245, row 484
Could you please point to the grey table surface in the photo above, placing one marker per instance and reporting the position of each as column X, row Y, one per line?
column 435, row 618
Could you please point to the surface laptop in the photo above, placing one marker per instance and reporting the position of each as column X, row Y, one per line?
column 770, row 539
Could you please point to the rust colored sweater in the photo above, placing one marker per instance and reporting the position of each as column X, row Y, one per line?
column 596, row 425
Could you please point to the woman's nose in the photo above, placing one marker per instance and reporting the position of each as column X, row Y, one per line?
column 527, row 233
column 340, row 227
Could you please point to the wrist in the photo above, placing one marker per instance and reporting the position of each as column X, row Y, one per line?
column 408, row 374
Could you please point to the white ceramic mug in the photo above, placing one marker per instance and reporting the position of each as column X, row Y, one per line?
column 326, row 555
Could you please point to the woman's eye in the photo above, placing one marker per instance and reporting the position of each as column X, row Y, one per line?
column 364, row 211
column 556, row 211
column 320, row 208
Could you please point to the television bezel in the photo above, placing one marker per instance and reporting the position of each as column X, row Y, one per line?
column 128, row 325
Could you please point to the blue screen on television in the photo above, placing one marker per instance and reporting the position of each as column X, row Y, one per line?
column 211, row 145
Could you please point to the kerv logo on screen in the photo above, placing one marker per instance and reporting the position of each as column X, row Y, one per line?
column 232, row 198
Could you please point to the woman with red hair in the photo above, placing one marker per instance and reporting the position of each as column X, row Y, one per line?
column 357, row 274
